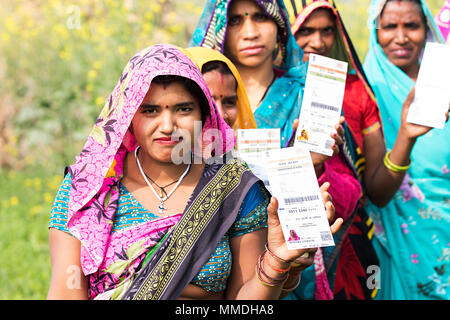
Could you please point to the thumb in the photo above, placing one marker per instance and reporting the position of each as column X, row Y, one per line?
column 272, row 210
column 409, row 99
column 336, row 225
column 295, row 125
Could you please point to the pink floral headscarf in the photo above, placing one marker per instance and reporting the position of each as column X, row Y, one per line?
column 96, row 174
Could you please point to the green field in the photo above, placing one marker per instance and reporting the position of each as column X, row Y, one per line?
column 25, row 202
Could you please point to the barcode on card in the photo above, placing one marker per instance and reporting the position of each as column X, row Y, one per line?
column 323, row 106
column 296, row 200
column 326, row 236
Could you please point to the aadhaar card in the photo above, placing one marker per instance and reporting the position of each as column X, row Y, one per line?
column 300, row 207
column 256, row 140
column 252, row 147
column 322, row 103
column 432, row 92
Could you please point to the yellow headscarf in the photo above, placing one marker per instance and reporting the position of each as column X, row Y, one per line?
column 200, row 56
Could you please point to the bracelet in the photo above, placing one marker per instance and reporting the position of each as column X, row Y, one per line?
column 258, row 276
column 393, row 167
column 276, row 257
column 275, row 282
column 292, row 287
column 276, row 269
column 295, row 273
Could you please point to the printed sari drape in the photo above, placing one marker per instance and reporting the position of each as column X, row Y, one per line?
column 98, row 169
column 209, row 214
column 412, row 236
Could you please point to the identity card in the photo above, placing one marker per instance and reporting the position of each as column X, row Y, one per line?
column 322, row 103
column 252, row 147
column 432, row 92
column 301, row 211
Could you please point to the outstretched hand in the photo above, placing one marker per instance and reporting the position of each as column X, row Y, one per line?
column 412, row 130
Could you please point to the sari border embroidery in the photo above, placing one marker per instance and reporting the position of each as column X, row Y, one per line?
column 188, row 230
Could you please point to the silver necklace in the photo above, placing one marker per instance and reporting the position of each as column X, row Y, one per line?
column 161, row 199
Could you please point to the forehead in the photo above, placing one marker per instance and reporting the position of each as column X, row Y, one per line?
column 243, row 6
column 172, row 93
column 401, row 11
column 219, row 81
column 320, row 18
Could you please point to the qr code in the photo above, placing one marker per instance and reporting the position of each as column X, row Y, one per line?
column 328, row 144
column 326, row 236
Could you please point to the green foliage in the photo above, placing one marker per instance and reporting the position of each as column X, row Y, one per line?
column 63, row 58
column 60, row 60
column 25, row 202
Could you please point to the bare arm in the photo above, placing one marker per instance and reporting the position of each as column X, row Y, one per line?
column 380, row 182
column 243, row 284
column 67, row 281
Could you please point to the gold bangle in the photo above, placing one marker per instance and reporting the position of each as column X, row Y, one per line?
column 393, row 167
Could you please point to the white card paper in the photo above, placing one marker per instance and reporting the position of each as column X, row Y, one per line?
column 432, row 92
column 322, row 103
column 300, row 207
column 253, row 145
column 256, row 140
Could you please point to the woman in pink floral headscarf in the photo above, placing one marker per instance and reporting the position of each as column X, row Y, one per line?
column 136, row 218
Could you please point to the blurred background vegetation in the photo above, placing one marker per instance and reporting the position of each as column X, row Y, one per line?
column 59, row 61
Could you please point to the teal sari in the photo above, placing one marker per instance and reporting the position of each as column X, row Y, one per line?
column 412, row 233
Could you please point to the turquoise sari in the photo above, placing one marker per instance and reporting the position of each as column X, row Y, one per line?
column 282, row 103
column 412, row 233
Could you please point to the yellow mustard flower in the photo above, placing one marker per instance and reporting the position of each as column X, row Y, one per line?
column 14, row 201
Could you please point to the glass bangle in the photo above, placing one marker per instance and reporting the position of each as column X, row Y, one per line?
column 393, row 167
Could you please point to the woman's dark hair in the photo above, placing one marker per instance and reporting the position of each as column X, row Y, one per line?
column 216, row 65
column 220, row 66
column 190, row 86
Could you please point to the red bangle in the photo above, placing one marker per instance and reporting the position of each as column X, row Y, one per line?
column 274, row 281
column 276, row 257
column 279, row 270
